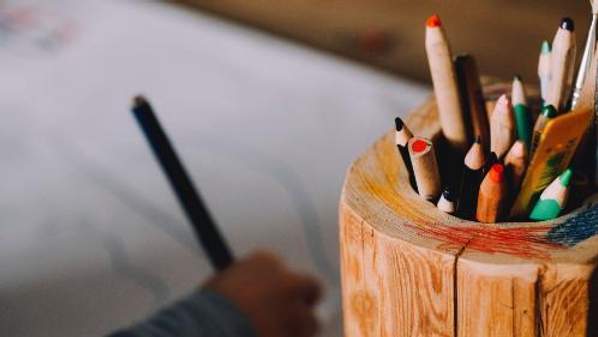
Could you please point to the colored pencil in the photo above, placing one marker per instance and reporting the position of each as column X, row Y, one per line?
column 544, row 69
column 523, row 118
column 548, row 113
column 502, row 127
column 198, row 215
column 425, row 167
column 446, row 90
column 515, row 165
column 472, row 98
column 472, row 177
column 587, row 56
column 553, row 199
column 447, row 202
column 402, row 137
column 493, row 196
column 562, row 63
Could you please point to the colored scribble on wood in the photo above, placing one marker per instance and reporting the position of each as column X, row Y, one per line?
column 524, row 242
column 576, row 229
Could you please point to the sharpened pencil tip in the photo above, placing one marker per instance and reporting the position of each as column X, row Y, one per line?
column 517, row 77
column 399, row 123
column 139, row 100
column 434, row 21
column 448, row 194
column 545, row 49
column 568, row 24
column 478, row 139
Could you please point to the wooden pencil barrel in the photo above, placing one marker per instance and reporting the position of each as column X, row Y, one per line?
column 409, row 270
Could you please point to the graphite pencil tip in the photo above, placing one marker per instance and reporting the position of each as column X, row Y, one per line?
column 517, row 77
column 478, row 139
column 399, row 124
column 568, row 24
column 434, row 21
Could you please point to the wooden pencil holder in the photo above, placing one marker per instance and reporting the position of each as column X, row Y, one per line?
column 410, row 270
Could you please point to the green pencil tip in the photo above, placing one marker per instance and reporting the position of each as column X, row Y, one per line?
column 565, row 177
column 549, row 111
column 545, row 47
column 545, row 210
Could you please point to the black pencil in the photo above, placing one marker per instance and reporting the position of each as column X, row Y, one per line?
column 402, row 137
column 203, row 225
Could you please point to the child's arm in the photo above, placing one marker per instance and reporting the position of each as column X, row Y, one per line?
column 256, row 297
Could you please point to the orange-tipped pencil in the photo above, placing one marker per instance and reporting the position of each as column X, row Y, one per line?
column 444, row 78
column 493, row 196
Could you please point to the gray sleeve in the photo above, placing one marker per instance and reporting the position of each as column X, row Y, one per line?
column 202, row 314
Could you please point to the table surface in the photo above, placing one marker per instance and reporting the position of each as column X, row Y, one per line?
column 92, row 237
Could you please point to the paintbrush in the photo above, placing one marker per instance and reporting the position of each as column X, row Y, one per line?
column 587, row 56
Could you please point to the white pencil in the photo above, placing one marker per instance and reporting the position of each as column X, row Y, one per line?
column 544, row 69
column 562, row 62
column 502, row 127
column 587, row 56
column 446, row 90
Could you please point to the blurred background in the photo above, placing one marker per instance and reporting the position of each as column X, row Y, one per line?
column 268, row 102
column 504, row 35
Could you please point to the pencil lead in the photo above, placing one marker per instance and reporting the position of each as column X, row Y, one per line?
column 434, row 21
column 549, row 111
column 497, row 172
column 545, row 49
column 517, row 77
column 568, row 24
column 139, row 100
column 478, row 139
column 399, row 124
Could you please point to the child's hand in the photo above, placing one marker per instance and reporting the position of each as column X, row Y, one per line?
column 279, row 303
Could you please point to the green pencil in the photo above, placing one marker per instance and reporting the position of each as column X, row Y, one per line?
column 523, row 119
column 553, row 199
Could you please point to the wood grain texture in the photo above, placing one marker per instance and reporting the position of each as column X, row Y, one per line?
column 410, row 270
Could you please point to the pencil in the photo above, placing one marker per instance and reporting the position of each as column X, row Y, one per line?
column 544, row 70
column 402, row 136
column 444, row 80
column 204, row 227
column 523, row 118
column 425, row 167
column 515, row 165
column 561, row 64
column 447, row 202
column 493, row 195
column 587, row 56
column 553, row 199
column 472, row 98
column 502, row 127
column 548, row 113
column 472, row 177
